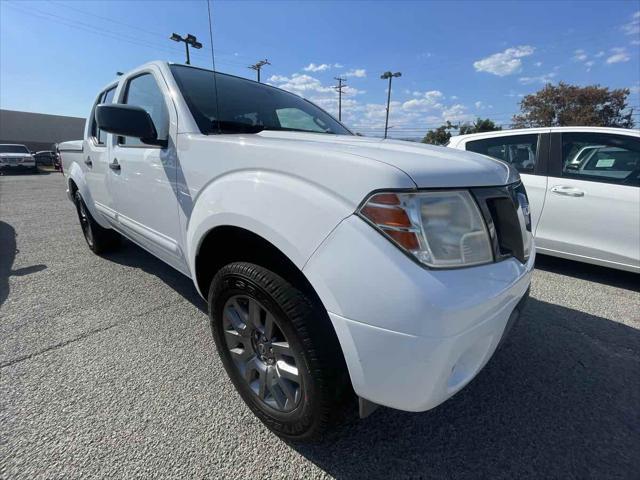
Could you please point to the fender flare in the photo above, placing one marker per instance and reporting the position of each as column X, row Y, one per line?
column 76, row 175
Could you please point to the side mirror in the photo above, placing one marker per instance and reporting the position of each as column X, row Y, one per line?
column 128, row 121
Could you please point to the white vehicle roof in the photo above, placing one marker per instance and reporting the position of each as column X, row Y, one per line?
column 462, row 139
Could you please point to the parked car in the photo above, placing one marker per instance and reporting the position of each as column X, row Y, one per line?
column 583, row 185
column 46, row 157
column 16, row 157
column 331, row 263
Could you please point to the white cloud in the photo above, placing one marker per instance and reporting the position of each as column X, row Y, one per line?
column 422, row 109
column 425, row 101
column 504, row 63
column 633, row 27
column 312, row 67
column 456, row 113
column 338, row 65
column 538, row 64
column 546, row 78
column 480, row 105
column 357, row 72
column 580, row 55
column 299, row 83
column 619, row 55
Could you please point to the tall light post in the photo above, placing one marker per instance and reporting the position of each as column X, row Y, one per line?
column 189, row 40
column 384, row 76
column 258, row 66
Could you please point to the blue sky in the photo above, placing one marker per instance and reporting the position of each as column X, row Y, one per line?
column 458, row 60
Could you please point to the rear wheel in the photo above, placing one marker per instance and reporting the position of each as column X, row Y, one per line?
column 99, row 239
column 276, row 349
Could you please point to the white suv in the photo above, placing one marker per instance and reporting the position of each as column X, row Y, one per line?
column 331, row 263
column 583, row 185
column 14, row 157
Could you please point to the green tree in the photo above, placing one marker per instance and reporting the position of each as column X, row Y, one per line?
column 480, row 125
column 567, row 105
column 440, row 135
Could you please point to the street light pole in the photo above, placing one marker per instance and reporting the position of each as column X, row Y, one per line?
column 384, row 76
column 189, row 40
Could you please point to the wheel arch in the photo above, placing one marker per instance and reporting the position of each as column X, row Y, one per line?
column 229, row 243
column 76, row 182
column 226, row 244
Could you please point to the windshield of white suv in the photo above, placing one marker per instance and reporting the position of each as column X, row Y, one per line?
column 245, row 106
column 13, row 149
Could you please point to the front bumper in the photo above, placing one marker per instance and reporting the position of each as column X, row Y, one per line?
column 17, row 166
column 412, row 337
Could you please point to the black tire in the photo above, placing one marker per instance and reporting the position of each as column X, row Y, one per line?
column 325, row 389
column 100, row 240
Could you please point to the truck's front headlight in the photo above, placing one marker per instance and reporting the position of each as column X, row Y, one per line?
column 442, row 229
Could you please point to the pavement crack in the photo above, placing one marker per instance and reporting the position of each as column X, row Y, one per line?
column 82, row 336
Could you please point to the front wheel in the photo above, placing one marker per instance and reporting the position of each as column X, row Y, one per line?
column 279, row 350
column 99, row 239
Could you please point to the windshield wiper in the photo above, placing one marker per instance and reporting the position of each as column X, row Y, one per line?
column 227, row 126
column 284, row 129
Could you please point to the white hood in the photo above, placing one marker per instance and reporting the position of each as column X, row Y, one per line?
column 427, row 165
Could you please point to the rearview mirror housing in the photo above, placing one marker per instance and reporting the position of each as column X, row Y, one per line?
column 128, row 121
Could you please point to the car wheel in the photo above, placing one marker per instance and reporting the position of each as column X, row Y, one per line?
column 278, row 350
column 99, row 239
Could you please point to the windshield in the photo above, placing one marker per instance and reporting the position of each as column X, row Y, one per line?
column 248, row 107
column 13, row 149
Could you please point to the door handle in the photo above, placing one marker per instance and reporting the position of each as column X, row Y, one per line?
column 114, row 165
column 567, row 191
column 88, row 161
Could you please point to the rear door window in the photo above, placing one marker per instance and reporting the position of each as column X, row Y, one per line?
column 518, row 150
column 601, row 157
column 106, row 97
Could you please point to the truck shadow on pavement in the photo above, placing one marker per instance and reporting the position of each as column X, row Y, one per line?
column 131, row 255
column 8, row 252
column 591, row 273
column 559, row 400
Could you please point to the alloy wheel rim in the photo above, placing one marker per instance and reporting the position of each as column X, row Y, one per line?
column 261, row 352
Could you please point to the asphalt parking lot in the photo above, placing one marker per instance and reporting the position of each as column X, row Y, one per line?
column 108, row 369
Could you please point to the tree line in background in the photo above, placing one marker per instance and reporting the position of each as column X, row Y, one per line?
column 553, row 106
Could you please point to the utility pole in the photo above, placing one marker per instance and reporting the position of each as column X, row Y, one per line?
column 384, row 76
column 339, row 88
column 189, row 40
column 258, row 66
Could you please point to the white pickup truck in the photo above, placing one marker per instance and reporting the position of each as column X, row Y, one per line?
column 332, row 264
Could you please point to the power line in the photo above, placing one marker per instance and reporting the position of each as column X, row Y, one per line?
column 136, row 28
column 87, row 27
column 100, row 31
